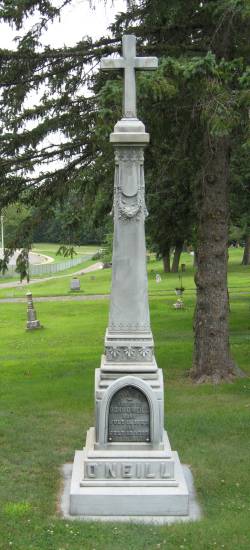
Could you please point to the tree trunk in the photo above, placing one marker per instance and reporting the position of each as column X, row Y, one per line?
column 246, row 255
column 177, row 255
column 166, row 261
column 195, row 260
column 212, row 360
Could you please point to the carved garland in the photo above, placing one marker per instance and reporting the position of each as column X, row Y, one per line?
column 129, row 208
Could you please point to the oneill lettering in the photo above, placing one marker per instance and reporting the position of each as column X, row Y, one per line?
column 123, row 470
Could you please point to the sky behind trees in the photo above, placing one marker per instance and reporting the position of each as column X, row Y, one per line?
column 77, row 20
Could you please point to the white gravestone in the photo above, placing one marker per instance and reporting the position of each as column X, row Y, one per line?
column 75, row 284
column 127, row 467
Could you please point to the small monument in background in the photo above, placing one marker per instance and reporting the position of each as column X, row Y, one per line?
column 127, row 467
column 32, row 321
column 75, row 284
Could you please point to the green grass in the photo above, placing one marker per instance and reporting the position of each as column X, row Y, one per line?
column 100, row 281
column 46, row 406
column 50, row 249
column 55, row 279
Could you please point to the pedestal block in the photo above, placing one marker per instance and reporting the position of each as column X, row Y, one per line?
column 127, row 467
column 127, row 483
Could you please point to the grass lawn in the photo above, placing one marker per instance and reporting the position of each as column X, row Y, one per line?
column 64, row 274
column 47, row 404
column 99, row 282
column 50, row 249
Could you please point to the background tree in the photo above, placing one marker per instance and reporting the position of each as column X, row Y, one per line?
column 217, row 106
column 14, row 215
column 240, row 198
column 205, row 49
column 18, row 234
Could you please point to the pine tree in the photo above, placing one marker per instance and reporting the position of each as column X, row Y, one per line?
column 210, row 40
column 199, row 98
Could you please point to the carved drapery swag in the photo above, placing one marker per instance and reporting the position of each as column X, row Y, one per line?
column 129, row 201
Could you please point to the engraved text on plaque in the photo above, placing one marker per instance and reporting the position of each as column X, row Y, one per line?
column 129, row 416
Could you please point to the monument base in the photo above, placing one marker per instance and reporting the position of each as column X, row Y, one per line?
column 114, row 483
column 33, row 325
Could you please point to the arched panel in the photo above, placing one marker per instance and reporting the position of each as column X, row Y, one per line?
column 129, row 416
column 149, row 413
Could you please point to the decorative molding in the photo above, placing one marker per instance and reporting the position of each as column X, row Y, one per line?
column 129, row 154
column 141, row 339
column 129, row 327
column 129, row 353
column 129, row 114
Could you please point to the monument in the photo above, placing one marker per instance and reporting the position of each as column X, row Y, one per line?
column 32, row 321
column 127, row 467
column 75, row 284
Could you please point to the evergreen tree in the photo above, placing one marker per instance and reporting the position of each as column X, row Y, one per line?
column 240, row 198
column 210, row 41
column 199, row 98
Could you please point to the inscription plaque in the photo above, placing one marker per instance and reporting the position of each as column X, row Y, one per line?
column 129, row 416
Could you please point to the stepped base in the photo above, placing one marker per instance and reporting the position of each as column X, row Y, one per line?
column 114, row 483
column 127, row 501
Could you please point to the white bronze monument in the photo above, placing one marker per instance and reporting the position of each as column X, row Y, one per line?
column 127, row 467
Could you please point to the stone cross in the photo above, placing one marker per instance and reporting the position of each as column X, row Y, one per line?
column 129, row 62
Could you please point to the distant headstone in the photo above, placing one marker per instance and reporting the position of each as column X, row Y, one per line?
column 158, row 278
column 179, row 291
column 32, row 321
column 179, row 304
column 183, row 267
column 75, row 284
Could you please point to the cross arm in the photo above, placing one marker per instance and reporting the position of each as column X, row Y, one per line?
column 109, row 64
column 146, row 63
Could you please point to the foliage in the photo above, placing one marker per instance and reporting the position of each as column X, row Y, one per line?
column 107, row 248
column 18, row 234
column 66, row 251
column 192, row 88
column 14, row 217
column 99, row 282
column 22, row 265
column 196, row 108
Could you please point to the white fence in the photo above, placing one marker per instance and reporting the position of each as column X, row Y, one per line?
column 43, row 269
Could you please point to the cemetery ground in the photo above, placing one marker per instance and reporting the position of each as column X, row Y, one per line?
column 51, row 249
column 99, row 282
column 47, row 404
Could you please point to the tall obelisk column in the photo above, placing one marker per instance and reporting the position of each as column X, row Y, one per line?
column 129, row 337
